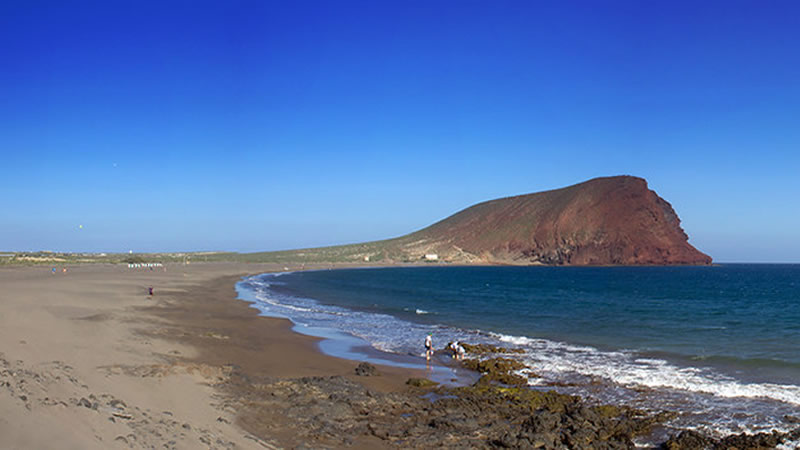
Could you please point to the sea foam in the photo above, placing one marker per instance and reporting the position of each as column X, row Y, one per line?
column 627, row 369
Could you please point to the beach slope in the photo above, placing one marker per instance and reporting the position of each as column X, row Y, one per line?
column 88, row 359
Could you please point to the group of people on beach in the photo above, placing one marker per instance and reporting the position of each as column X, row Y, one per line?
column 456, row 348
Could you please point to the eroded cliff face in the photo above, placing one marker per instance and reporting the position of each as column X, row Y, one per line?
column 613, row 220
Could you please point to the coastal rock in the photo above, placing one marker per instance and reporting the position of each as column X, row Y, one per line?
column 751, row 441
column 421, row 382
column 327, row 412
column 482, row 349
column 366, row 369
column 688, row 440
column 500, row 370
column 692, row 440
column 335, row 412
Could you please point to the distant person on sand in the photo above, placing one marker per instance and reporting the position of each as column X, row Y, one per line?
column 150, row 290
column 428, row 347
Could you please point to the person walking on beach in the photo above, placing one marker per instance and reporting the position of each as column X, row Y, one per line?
column 428, row 347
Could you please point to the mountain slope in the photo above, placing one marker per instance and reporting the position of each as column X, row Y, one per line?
column 613, row 220
column 603, row 221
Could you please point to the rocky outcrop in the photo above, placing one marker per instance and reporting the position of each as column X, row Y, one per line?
column 334, row 412
column 327, row 412
column 366, row 369
column 692, row 440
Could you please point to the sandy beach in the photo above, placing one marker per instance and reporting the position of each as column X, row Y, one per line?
column 90, row 360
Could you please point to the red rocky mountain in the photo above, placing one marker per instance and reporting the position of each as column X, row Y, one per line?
column 603, row 221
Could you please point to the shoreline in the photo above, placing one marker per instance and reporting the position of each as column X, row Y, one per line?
column 228, row 333
column 341, row 345
column 315, row 399
column 668, row 429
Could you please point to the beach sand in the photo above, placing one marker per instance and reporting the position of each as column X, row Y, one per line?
column 89, row 360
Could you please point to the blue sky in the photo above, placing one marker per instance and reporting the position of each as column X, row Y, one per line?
column 248, row 126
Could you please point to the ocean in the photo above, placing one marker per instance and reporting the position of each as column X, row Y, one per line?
column 718, row 345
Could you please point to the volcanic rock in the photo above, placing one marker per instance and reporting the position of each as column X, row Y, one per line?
column 366, row 369
column 604, row 221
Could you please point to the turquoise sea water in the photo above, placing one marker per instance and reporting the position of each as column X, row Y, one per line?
column 719, row 345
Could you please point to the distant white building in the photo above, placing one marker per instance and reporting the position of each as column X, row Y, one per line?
column 144, row 265
column 431, row 257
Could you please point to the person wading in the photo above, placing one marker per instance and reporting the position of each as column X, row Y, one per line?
column 428, row 347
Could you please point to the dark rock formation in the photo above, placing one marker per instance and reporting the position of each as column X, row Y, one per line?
column 500, row 370
column 482, row 349
column 325, row 412
column 692, row 440
column 366, row 369
column 421, row 382
column 333, row 412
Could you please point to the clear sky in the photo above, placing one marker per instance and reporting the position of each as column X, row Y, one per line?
column 249, row 126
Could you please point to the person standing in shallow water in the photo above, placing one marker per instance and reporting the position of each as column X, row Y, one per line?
column 428, row 347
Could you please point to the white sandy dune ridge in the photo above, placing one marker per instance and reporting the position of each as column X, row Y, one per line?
column 77, row 373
